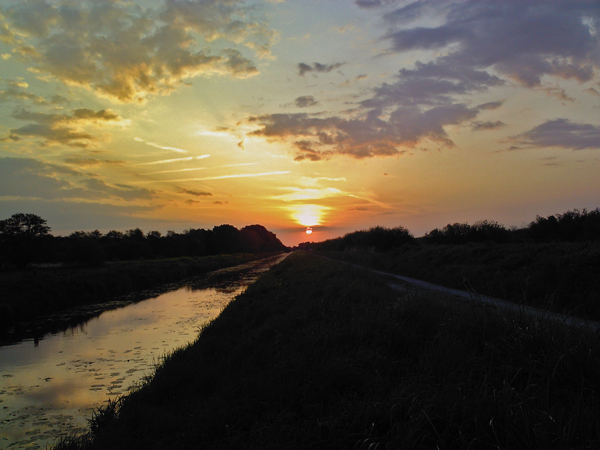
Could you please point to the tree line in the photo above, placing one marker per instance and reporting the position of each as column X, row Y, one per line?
column 26, row 238
column 571, row 226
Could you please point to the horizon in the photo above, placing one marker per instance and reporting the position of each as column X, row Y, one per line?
column 340, row 116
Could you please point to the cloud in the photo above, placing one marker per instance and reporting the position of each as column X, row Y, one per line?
column 364, row 137
column 560, row 133
column 372, row 3
column 593, row 92
column 31, row 178
column 62, row 128
column 523, row 41
column 195, row 193
column 483, row 126
column 305, row 101
column 127, row 52
column 175, row 149
column 66, row 216
column 88, row 162
column 317, row 67
column 243, row 175
column 431, row 84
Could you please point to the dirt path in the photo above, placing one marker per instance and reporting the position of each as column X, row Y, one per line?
column 400, row 282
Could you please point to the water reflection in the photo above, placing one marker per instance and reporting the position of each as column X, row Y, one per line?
column 49, row 384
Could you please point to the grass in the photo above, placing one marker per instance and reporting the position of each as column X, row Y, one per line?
column 317, row 354
column 561, row 277
column 28, row 294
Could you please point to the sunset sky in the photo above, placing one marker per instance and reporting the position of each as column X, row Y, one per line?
column 335, row 114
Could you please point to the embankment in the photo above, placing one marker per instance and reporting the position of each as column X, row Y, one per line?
column 560, row 277
column 28, row 294
column 318, row 354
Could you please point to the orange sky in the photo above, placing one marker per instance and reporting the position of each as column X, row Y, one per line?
column 335, row 114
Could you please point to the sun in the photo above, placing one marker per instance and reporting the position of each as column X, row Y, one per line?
column 308, row 230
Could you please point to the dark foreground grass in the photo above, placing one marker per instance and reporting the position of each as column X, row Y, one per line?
column 28, row 294
column 320, row 355
column 561, row 277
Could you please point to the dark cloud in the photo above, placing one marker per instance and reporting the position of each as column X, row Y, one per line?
column 66, row 216
column 62, row 128
column 87, row 162
column 560, row 133
column 305, row 101
column 431, row 84
column 125, row 51
column 16, row 91
column 365, row 137
column 490, row 105
column 195, row 193
column 31, row 178
column 521, row 40
column 482, row 126
column 373, row 3
column 317, row 67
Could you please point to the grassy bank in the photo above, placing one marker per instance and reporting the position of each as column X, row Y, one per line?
column 28, row 294
column 317, row 354
column 562, row 277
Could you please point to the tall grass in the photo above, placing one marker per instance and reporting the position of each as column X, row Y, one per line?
column 317, row 354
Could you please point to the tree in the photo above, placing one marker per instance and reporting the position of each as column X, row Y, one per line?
column 21, row 237
column 24, row 225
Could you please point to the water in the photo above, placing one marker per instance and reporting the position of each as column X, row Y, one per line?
column 49, row 387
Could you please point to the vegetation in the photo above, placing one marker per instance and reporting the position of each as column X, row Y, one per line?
column 317, row 354
column 553, row 263
column 26, row 238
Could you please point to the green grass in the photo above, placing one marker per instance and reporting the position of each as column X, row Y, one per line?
column 562, row 277
column 27, row 294
column 317, row 354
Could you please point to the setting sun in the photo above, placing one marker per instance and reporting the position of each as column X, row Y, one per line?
column 308, row 230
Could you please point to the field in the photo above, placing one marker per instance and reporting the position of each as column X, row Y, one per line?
column 318, row 354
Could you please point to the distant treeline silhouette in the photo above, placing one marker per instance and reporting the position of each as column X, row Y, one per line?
column 572, row 226
column 26, row 238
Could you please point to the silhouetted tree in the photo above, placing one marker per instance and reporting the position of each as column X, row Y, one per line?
column 22, row 236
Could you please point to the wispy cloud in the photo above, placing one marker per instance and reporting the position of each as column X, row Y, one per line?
column 190, row 169
column 223, row 177
column 167, row 161
column 162, row 147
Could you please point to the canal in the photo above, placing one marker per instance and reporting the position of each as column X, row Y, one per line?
column 51, row 384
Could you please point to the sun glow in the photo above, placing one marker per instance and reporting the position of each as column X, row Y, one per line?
column 308, row 230
column 308, row 215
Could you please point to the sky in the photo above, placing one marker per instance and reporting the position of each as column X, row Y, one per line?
column 340, row 115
